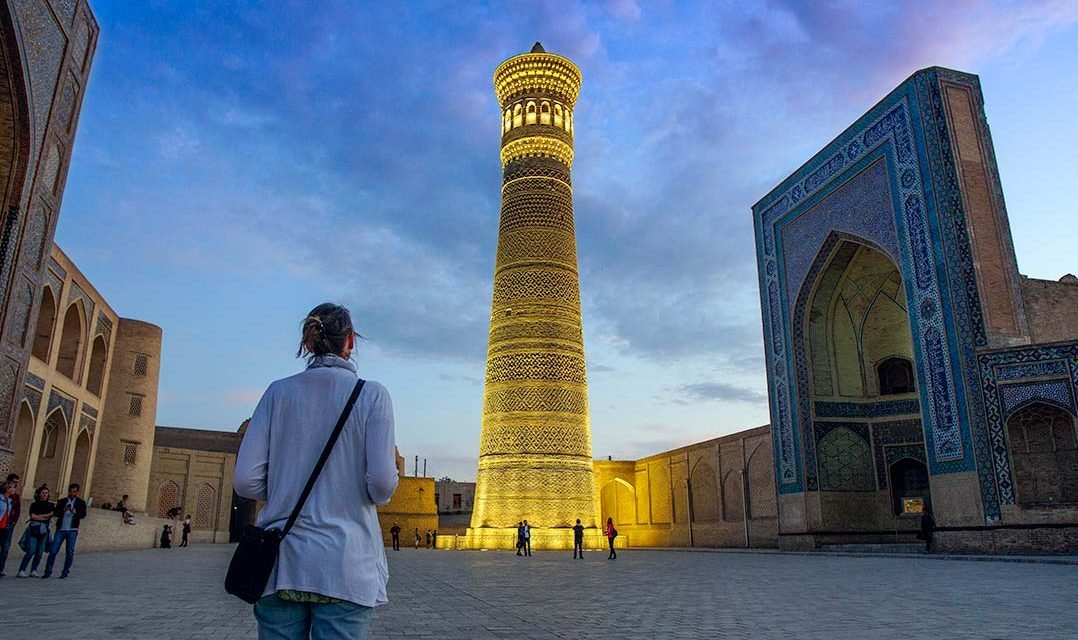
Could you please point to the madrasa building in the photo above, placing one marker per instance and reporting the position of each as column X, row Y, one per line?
column 910, row 365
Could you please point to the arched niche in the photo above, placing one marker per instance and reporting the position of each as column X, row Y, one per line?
column 95, row 376
column 46, row 321
column 24, row 435
column 705, row 493
column 69, row 354
column 855, row 319
column 51, row 452
column 1043, row 444
column 733, row 497
column 80, row 463
column 763, row 502
column 618, row 501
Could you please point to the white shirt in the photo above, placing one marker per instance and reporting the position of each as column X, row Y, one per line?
column 335, row 548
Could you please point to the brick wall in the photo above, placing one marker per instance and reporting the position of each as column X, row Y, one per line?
column 1051, row 308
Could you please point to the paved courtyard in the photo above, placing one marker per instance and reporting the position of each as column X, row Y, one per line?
column 644, row 594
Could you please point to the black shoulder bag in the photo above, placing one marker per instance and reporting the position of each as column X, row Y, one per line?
column 256, row 555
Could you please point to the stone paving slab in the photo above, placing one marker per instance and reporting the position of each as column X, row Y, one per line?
column 455, row 595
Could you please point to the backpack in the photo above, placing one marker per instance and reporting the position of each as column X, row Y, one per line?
column 613, row 532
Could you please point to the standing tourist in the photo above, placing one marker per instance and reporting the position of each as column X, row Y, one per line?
column 428, row 538
column 520, row 538
column 6, row 505
column 417, row 537
column 611, row 533
column 395, row 533
column 69, row 513
column 12, row 518
column 186, row 531
column 527, row 538
column 37, row 531
column 578, row 540
column 330, row 572
column 434, row 539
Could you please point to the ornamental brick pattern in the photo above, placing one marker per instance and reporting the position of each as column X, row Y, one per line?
column 535, row 451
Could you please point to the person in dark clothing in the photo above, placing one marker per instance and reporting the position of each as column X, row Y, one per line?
column 186, row 531
column 527, row 539
column 434, row 539
column 395, row 533
column 611, row 533
column 928, row 526
column 14, row 511
column 578, row 540
column 69, row 512
column 166, row 537
column 520, row 538
column 37, row 532
column 428, row 538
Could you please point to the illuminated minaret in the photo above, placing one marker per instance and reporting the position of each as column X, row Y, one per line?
column 535, row 451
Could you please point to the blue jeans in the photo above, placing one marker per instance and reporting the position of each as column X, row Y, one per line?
column 282, row 620
column 35, row 546
column 71, row 536
column 5, row 545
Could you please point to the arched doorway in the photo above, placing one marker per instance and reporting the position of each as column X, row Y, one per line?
column 68, row 358
column 1043, row 444
column 81, row 462
column 909, row 487
column 50, row 460
column 46, row 320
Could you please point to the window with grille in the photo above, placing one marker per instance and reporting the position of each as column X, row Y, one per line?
column 205, row 506
column 136, row 406
column 168, row 497
column 142, row 361
column 130, row 450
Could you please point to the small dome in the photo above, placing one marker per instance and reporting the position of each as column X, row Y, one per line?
column 538, row 48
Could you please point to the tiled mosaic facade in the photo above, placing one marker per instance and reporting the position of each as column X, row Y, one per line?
column 48, row 46
column 898, row 181
column 892, row 138
column 1011, row 379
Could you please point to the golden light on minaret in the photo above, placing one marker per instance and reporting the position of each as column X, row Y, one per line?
column 535, row 450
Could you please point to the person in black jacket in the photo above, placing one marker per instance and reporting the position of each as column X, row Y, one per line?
column 69, row 512
column 395, row 532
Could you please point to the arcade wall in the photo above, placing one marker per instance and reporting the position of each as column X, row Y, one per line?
column 716, row 493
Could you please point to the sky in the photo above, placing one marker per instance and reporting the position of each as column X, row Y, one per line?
column 237, row 164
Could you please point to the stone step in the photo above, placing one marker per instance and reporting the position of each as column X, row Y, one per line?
column 889, row 547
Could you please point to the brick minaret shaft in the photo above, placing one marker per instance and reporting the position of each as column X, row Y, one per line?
column 535, row 451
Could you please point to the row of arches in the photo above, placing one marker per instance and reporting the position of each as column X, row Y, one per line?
column 70, row 352
column 542, row 112
column 53, row 453
column 740, row 493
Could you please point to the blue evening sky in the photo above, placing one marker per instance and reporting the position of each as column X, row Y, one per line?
column 239, row 163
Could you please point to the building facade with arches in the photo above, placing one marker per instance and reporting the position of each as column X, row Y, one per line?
column 910, row 366
column 87, row 408
column 716, row 493
column 46, row 47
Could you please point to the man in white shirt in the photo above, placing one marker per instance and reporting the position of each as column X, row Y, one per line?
column 69, row 513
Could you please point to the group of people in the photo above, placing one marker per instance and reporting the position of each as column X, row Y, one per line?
column 524, row 539
column 49, row 526
column 166, row 534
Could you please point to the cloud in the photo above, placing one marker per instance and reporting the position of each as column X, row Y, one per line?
column 711, row 391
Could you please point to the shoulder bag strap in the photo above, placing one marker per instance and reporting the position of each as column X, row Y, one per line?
column 325, row 455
